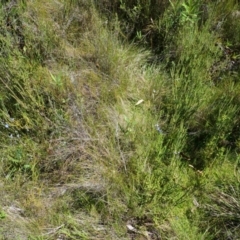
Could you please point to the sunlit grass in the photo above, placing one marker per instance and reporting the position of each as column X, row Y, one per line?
column 99, row 142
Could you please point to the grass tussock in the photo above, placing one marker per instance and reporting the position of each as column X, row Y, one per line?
column 119, row 120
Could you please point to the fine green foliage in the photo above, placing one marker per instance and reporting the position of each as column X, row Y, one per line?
column 119, row 119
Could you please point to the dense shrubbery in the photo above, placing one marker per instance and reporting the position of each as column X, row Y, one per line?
column 102, row 138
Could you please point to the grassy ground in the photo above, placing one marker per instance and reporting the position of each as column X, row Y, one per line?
column 119, row 121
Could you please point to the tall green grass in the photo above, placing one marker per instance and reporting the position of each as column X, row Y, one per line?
column 101, row 138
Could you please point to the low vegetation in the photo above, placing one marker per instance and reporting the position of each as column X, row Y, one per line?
column 119, row 119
